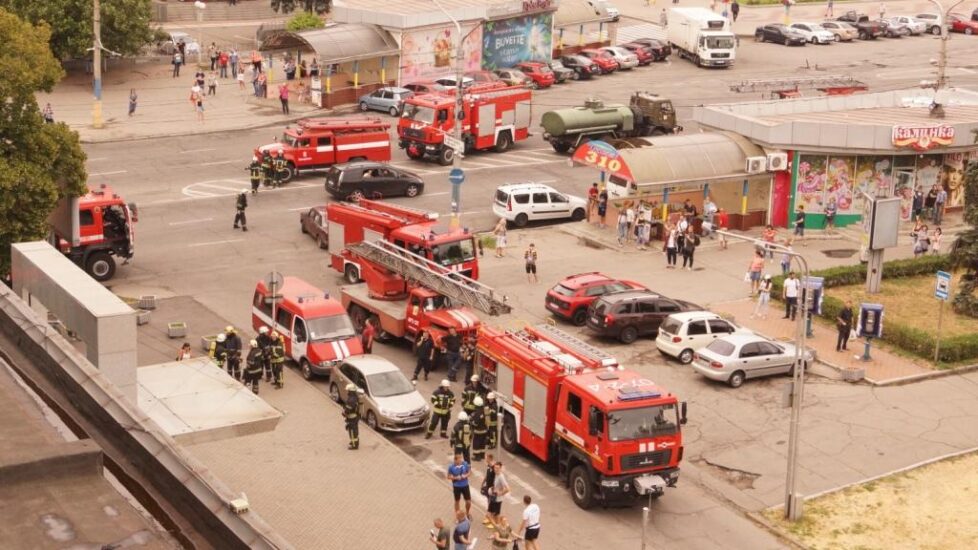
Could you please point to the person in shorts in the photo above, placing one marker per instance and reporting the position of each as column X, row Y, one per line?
column 458, row 474
column 530, row 256
column 499, row 489
column 530, row 526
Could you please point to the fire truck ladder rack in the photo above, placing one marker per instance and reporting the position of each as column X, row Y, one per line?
column 422, row 271
column 576, row 345
column 399, row 212
column 777, row 84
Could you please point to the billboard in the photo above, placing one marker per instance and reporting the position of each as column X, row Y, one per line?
column 431, row 52
column 509, row 41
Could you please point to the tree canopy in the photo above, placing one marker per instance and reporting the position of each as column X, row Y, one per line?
column 289, row 6
column 304, row 21
column 964, row 253
column 125, row 24
column 39, row 163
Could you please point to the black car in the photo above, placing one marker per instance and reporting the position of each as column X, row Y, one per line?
column 628, row 314
column 779, row 34
column 373, row 180
column 583, row 67
column 661, row 49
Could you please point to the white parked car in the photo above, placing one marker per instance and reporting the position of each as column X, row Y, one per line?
column 519, row 203
column 916, row 26
column 814, row 33
column 625, row 58
column 682, row 334
column 932, row 21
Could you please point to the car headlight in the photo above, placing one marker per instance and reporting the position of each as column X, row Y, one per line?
column 610, row 483
column 427, row 407
column 385, row 412
column 327, row 364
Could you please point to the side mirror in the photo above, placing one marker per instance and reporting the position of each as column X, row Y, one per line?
column 682, row 413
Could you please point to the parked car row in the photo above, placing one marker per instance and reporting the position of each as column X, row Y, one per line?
column 854, row 25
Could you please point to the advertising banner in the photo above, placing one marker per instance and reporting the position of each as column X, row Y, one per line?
column 604, row 157
column 431, row 52
column 510, row 41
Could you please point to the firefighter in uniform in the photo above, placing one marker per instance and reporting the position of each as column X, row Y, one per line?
column 442, row 401
column 492, row 420
column 462, row 436
column 239, row 215
column 469, row 393
column 232, row 344
column 253, row 367
column 266, row 168
column 265, row 345
column 478, row 422
column 254, row 171
column 218, row 351
column 278, row 168
column 277, row 359
column 351, row 413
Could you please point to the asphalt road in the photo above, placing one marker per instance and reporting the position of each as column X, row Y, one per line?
column 186, row 246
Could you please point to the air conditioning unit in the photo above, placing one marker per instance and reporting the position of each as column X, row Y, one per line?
column 755, row 165
column 777, row 162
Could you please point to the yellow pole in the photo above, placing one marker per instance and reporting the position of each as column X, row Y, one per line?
column 580, row 36
column 328, row 87
column 743, row 199
column 560, row 40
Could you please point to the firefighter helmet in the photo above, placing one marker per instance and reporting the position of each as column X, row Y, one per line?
column 221, row 337
column 229, row 329
column 490, row 396
column 475, row 378
column 445, row 383
column 253, row 343
column 478, row 401
column 263, row 330
column 351, row 387
column 463, row 416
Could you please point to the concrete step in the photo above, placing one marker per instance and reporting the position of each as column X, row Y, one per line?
column 244, row 10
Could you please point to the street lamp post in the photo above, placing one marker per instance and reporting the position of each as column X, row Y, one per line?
column 457, row 123
column 199, row 7
column 97, row 121
column 945, row 34
column 793, row 501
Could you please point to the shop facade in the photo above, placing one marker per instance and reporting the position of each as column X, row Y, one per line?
column 842, row 149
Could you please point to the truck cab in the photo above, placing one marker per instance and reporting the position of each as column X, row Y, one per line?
column 702, row 36
column 658, row 113
column 105, row 229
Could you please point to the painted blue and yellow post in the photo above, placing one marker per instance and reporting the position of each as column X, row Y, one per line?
column 665, row 204
column 383, row 70
column 356, row 74
column 743, row 199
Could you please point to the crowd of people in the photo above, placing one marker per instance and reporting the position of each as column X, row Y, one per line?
column 265, row 357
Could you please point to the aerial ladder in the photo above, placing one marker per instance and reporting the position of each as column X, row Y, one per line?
column 568, row 351
column 784, row 88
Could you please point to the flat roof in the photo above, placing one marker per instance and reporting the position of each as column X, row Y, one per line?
column 413, row 14
column 856, row 123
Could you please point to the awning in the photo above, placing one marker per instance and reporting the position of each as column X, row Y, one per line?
column 678, row 159
column 579, row 12
column 338, row 43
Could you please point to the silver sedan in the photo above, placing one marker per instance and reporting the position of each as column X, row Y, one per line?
column 735, row 358
column 390, row 401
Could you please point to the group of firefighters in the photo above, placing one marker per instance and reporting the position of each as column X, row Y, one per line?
column 477, row 426
column 268, row 170
column 266, row 356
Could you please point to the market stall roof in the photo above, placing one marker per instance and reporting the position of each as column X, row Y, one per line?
column 336, row 43
column 680, row 159
column 579, row 12
column 413, row 14
column 870, row 123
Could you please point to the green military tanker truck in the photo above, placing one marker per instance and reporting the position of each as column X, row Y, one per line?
column 646, row 114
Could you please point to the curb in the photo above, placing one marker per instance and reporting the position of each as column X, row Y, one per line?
column 784, row 536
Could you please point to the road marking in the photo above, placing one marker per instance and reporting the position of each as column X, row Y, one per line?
column 108, row 173
column 438, row 194
column 963, row 70
column 219, row 162
column 186, row 222
column 234, row 190
column 199, row 150
column 96, row 159
column 211, row 243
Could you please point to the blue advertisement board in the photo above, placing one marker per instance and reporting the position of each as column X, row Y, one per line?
column 511, row 41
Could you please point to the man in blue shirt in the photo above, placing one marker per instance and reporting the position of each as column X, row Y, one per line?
column 461, row 533
column 458, row 474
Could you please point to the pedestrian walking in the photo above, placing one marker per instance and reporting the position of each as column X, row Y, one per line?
column 452, row 345
column 723, row 224
column 254, row 174
column 262, row 85
column 754, row 271
column 283, row 96
column 735, row 10
column 921, row 242
column 500, row 233
column 241, row 80
column 882, row 10
column 467, row 353
column 644, row 232
column 212, row 54
column 602, row 208
column 440, row 535
column 133, row 98
column 498, row 491
column 253, row 367
column 786, row 257
column 690, row 242
column 199, row 78
column 425, row 350
column 935, row 240
column 256, row 61
column 486, row 489
column 176, row 61
column 790, row 294
column 212, row 84
column 663, row 18
column 461, row 438
column 182, row 48
column 800, row 223
column 198, row 100
column 458, row 473
column 939, row 203
column 442, row 401
column 672, row 246
column 470, row 393
column 277, row 359
column 630, row 218
column 917, row 205
column 929, row 201
column 351, row 415
column 48, row 114
column 462, row 530
column 843, row 323
column 367, row 336
column 184, row 353
column 233, row 61
column 478, row 420
column 530, row 259
column 769, row 235
column 240, row 204
column 223, row 59
column 763, row 298
column 828, row 9
column 530, row 526
column 279, row 165
column 622, row 228
column 232, row 344
column 592, row 200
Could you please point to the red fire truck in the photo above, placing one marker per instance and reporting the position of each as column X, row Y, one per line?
column 492, row 117
column 611, row 434
column 318, row 143
column 410, row 228
column 105, row 230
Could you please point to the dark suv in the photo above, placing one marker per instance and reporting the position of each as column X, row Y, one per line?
column 629, row 314
column 372, row 180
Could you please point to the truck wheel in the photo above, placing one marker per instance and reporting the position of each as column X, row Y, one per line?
column 579, row 318
column 446, row 156
column 503, row 142
column 560, row 146
column 686, row 356
column 302, row 228
column 578, row 214
column 863, row 35
column 290, row 172
column 507, row 436
column 582, row 490
column 628, row 335
column 415, row 156
column 521, row 220
column 100, row 266
column 351, row 274
column 306, row 369
column 736, row 379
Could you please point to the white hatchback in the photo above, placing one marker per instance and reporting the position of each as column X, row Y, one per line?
column 682, row 334
column 626, row 59
column 519, row 203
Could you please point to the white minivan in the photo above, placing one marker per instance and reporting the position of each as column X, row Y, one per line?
column 520, row 203
column 681, row 334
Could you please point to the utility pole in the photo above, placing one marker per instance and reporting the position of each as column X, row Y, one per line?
column 97, row 121
column 945, row 35
column 457, row 123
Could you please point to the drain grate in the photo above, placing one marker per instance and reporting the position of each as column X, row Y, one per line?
column 840, row 252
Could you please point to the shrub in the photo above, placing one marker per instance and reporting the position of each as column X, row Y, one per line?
column 304, row 21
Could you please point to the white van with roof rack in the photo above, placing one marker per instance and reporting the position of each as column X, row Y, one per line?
column 520, row 203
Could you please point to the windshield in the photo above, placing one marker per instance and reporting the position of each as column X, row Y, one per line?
column 419, row 113
column 643, row 423
column 720, row 42
column 562, row 290
column 388, row 384
column 453, row 252
column 330, row 328
column 437, row 302
column 291, row 141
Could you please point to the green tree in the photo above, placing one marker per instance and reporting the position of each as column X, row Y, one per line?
column 310, row 6
column 125, row 24
column 39, row 163
column 964, row 252
column 304, row 21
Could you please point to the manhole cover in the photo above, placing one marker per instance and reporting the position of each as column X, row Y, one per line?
column 840, row 252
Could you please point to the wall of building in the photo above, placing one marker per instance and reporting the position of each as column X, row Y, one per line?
column 430, row 52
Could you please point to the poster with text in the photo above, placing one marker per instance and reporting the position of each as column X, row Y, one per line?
column 841, row 180
column 873, row 174
column 810, row 191
column 511, row 41
column 430, row 53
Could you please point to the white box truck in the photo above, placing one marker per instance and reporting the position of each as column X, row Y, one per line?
column 702, row 36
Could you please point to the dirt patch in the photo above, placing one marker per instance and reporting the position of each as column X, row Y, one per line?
column 931, row 507
column 738, row 478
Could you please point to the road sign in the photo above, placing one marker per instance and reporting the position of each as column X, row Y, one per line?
column 274, row 281
column 943, row 289
column 455, row 144
column 456, row 176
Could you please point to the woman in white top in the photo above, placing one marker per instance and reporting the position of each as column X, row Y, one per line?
column 500, row 232
column 671, row 247
column 935, row 241
column 763, row 298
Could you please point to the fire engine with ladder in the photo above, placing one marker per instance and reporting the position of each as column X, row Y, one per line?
column 610, row 433
column 492, row 117
column 406, row 293
column 413, row 229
